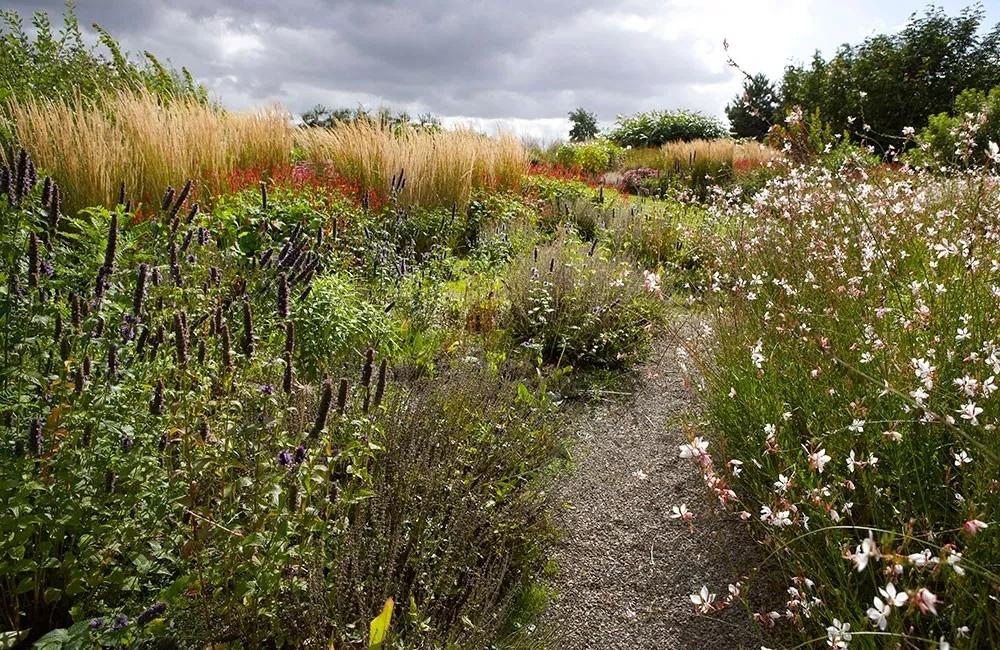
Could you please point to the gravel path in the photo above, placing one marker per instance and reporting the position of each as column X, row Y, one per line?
column 626, row 569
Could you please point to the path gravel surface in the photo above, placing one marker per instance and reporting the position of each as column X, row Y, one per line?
column 626, row 569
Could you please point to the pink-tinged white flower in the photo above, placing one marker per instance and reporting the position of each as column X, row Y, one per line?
column 924, row 371
column 970, row 412
column 650, row 281
column 892, row 597
column 879, row 613
column 863, row 553
column 703, row 600
column 857, row 426
column 989, row 386
column 838, row 635
column 919, row 395
column 967, row 385
column 681, row 512
column 922, row 558
column 973, row 526
column 963, row 334
column 893, row 435
column 926, row 601
column 757, row 354
column 962, row 458
column 694, row 449
column 993, row 151
column 818, row 460
column 781, row 485
column 735, row 466
column 954, row 557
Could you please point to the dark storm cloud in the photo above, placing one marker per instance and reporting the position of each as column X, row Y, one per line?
column 519, row 58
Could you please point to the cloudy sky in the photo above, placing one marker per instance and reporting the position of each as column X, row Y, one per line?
column 517, row 64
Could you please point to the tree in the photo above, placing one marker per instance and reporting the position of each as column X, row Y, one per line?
column 752, row 112
column 584, row 125
column 890, row 81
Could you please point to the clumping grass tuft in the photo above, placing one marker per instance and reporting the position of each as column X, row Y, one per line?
column 91, row 148
column 849, row 402
column 439, row 168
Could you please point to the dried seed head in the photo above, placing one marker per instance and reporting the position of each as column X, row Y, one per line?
column 112, row 247
column 156, row 404
column 35, row 443
column 227, row 354
column 286, row 384
column 181, row 198
column 140, row 289
column 290, row 337
column 325, row 401
column 342, row 397
column 168, row 198
column 282, row 296
column 79, row 381
column 366, row 370
column 180, row 338
column 121, row 194
column 263, row 195
column 65, row 348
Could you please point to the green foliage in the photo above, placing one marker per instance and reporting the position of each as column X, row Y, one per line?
column 593, row 156
column 169, row 440
column 753, row 111
column 654, row 128
column 572, row 305
column 963, row 136
column 584, row 125
column 894, row 81
column 41, row 61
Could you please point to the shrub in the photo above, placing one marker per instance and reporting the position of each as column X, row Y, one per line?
column 847, row 395
column 960, row 138
column 655, row 128
column 593, row 156
column 572, row 305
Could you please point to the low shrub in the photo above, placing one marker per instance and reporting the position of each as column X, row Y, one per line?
column 571, row 304
column 592, row 157
column 655, row 128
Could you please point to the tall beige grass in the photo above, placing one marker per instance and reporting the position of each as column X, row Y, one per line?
column 442, row 168
column 90, row 148
column 739, row 154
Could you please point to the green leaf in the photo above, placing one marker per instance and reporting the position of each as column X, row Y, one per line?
column 379, row 627
column 11, row 638
column 54, row 640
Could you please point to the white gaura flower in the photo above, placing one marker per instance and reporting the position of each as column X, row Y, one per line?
column 694, row 449
column 962, row 458
column 857, row 426
column 781, row 485
column 967, row 385
column 681, row 512
column 926, row 600
column 989, row 386
column 879, row 613
column 892, row 597
column 819, row 459
column 838, row 635
column 970, row 412
column 703, row 600
column 993, row 151
column 863, row 553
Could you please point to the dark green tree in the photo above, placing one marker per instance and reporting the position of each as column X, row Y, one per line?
column 891, row 81
column 584, row 125
column 753, row 111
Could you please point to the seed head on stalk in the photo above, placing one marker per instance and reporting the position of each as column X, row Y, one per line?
column 325, row 401
column 140, row 289
column 379, row 385
column 247, row 327
column 156, row 404
column 35, row 442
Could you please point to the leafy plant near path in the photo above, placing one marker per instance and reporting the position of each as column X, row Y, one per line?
column 850, row 402
column 178, row 466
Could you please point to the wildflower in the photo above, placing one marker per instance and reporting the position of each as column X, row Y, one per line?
column 962, row 458
column 703, row 600
column 969, row 412
column 120, row 621
column 973, row 526
column 651, row 281
column 954, row 557
column 857, row 426
column 818, row 460
column 879, row 613
column 299, row 455
column 97, row 623
column 967, row 385
column 756, row 354
column 993, row 151
column 267, row 389
column 989, row 386
column 150, row 613
column 681, row 512
column 735, row 468
column 326, row 398
column 284, row 458
column 926, row 601
column 781, row 485
column 694, row 449
column 863, row 553
column 892, row 597
column 838, row 635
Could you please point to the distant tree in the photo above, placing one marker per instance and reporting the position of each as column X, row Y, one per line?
column 893, row 81
column 753, row 111
column 584, row 125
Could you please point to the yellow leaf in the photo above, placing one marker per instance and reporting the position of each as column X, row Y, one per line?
column 380, row 626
